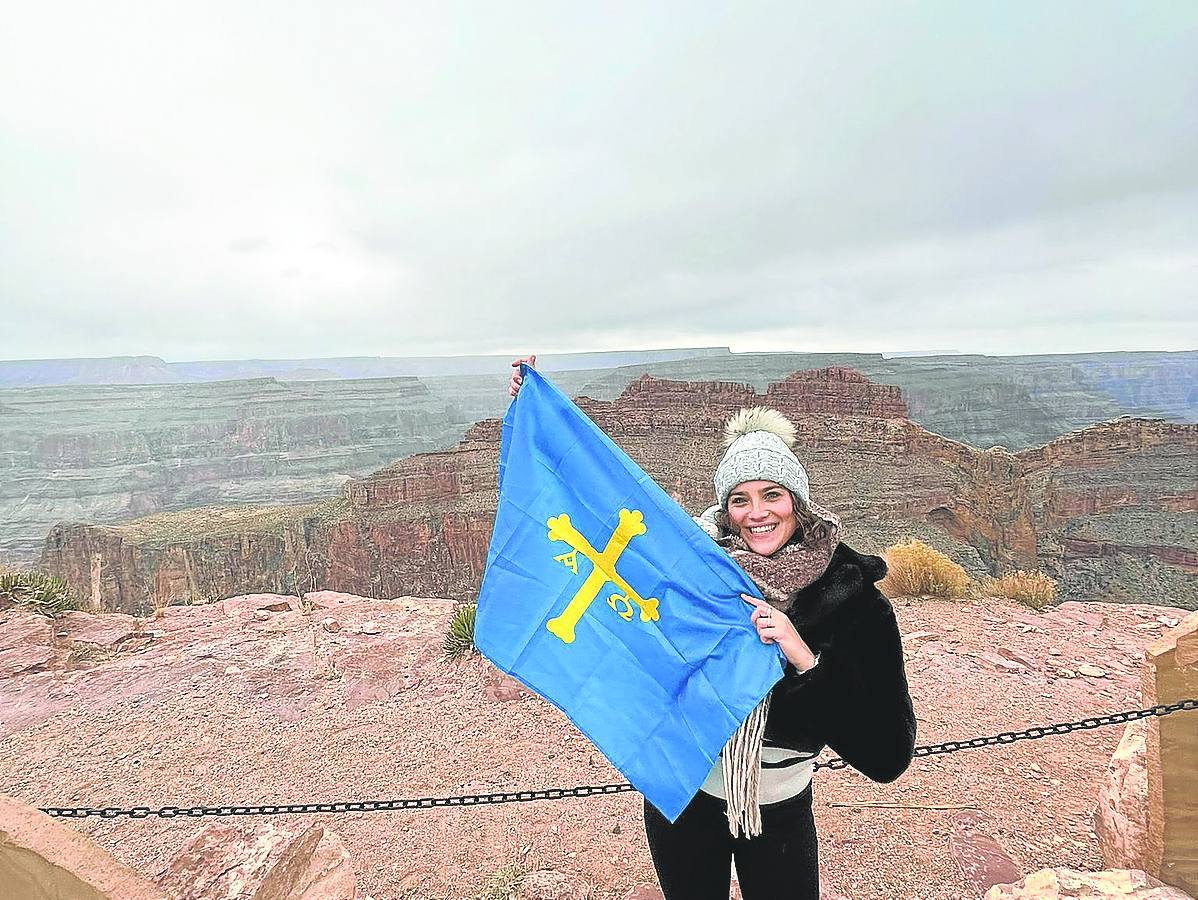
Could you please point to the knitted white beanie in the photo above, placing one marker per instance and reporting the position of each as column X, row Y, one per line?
column 759, row 441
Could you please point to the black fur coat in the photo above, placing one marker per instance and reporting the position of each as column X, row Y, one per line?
column 856, row 699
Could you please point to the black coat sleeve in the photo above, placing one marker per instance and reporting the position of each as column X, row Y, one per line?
column 856, row 700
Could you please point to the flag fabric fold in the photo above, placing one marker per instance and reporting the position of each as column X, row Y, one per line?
column 604, row 597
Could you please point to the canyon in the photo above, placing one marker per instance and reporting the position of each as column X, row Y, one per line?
column 110, row 440
column 1110, row 510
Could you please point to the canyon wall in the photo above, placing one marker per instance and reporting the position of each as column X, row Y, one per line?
column 1117, row 505
column 109, row 453
column 113, row 453
column 1017, row 402
column 421, row 525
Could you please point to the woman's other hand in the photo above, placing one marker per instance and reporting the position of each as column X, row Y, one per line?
column 513, row 387
column 774, row 627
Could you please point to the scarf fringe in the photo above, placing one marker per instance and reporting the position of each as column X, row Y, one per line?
column 742, row 773
column 790, row 569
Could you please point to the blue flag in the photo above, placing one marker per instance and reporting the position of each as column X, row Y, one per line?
column 603, row 596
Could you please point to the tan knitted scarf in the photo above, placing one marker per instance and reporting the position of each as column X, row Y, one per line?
column 790, row 569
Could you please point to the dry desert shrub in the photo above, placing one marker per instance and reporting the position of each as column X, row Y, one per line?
column 914, row 569
column 506, row 883
column 1033, row 589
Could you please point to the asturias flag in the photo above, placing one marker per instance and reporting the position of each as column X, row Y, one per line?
column 603, row 596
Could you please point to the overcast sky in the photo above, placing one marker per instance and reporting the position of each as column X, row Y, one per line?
column 286, row 179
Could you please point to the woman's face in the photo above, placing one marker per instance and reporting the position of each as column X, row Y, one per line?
column 763, row 512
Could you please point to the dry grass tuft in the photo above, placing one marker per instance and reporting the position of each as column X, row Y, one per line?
column 506, row 883
column 914, row 569
column 1033, row 589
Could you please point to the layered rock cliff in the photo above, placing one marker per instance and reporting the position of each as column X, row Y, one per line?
column 1018, row 402
column 107, row 454
column 1109, row 510
column 1117, row 506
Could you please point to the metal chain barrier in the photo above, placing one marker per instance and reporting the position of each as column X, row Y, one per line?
column 363, row 806
column 171, row 812
column 1030, row 734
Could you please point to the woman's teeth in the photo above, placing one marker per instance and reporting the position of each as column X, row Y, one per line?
column 762, row 529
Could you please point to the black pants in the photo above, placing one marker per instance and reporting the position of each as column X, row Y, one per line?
column 694, row 855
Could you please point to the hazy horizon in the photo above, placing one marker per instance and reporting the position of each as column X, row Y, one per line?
column 897, row 354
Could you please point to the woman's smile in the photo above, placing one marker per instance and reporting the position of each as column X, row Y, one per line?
column 763, row 512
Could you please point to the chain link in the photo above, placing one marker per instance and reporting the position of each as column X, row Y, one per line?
column 171, row 812
column 364, row 806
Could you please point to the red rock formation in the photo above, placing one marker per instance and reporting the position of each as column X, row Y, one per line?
column 1169, row 675
column 837, row 391
column 1182, row 558
column 422, row 525
column 1100, row 445
column 1121, row 815
column 226, row 861
column 983, row 861
column 1065, row 469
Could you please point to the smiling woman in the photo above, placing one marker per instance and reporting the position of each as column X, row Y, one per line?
column 843, row 685
column 764, row 514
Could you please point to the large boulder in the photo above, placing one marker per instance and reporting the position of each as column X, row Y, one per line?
column 267, row 862
column 1070, row 884
column 1121, row 816
column 1171, row 674
column 42, row 858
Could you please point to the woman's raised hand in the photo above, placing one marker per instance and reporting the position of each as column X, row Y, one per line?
column 513, row 387
column 774, row 627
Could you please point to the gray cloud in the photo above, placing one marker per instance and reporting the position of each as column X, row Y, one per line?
column 458, row 179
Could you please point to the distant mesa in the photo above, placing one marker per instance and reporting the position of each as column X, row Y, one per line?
column 908, row 354
column 153, row 370
column 110, row 370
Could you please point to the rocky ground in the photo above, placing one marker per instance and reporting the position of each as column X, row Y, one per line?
column 268, row 699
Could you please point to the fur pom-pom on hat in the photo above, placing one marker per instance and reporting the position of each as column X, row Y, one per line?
column 759, row 441
column 759, row 418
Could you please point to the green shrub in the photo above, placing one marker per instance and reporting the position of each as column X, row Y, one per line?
column 915, row 569
column 38, row 592
column 459, row 639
